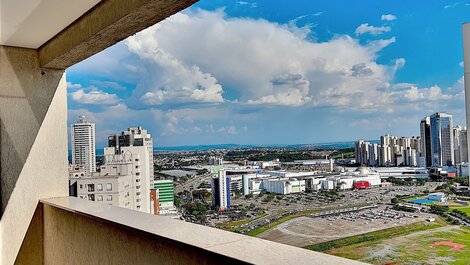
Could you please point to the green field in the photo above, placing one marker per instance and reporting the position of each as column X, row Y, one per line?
column 465, row 209
column 404, row 245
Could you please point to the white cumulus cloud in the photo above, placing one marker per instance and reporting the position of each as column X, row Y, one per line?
column 94, row 97
column 366, row 28
column 388, row 17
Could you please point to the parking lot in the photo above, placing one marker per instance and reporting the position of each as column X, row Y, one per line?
column 309, row 230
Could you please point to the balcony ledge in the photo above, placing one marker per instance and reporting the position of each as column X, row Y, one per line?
column 235, row 247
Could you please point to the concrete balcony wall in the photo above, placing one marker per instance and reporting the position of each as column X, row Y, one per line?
column 33, row 142
column 73, row 231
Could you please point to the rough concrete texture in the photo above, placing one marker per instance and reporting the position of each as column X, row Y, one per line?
column 106, row 24
column 33, row 132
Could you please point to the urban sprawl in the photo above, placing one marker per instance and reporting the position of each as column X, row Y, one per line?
column 289, row 195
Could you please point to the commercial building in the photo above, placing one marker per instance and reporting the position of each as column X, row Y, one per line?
column 442, row 140
column 137, row 143
column 437, row 196
column 403, row 172
column 166, row 197
column 284, row 185
column 82, row 135
column 221, row 190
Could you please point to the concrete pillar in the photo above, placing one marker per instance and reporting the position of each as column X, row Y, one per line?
column 33, row 142
column 466, row 60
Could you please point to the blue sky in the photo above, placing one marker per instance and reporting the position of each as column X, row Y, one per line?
column 274, row 72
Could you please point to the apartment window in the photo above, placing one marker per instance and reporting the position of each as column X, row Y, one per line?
column 136, row 160
column 81, row 186
column 109, row 186
column 110, row 198
column 100, row 187
column 137, row 180
column 99, row 198
column 137, row 166
column 91, row 187
column 91, row 197
column 137, row 173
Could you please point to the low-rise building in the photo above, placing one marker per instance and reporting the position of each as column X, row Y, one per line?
column 437, row 196
column 284, row 185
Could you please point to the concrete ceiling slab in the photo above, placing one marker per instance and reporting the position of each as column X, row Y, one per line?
column 31, row 23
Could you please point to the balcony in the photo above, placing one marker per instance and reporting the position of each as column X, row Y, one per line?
column 38, row 224
column 72, row 231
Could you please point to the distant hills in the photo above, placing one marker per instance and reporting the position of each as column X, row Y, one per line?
column 327, row 146
column 332, row 145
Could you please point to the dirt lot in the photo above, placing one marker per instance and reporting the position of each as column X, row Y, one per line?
column 424, row 247
column 305, row 231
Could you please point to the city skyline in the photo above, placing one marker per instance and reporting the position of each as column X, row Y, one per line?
column 189, row 93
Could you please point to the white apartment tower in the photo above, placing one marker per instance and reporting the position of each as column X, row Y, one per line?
column 83, row 144
column 138, row 143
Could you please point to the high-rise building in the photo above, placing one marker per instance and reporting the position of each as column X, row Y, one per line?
column 138, row 143
column 221, row 191
column 215, row 161
column 393, row 151
column 358, row 151
column 442, row 140
column 460, row 144
column 83, row 144
column 425, row 132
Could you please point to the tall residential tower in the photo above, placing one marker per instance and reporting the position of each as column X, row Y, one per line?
column 83, row 144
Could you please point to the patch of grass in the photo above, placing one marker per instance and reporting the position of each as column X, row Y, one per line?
column 465, row 209
column 375, row 236
column 391, row 246
column 273, row 224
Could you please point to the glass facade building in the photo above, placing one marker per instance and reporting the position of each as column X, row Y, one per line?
column 442, row 140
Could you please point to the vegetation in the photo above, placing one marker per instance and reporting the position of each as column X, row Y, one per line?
column 414, row 248
column 439, row 209
column 373, row 237
column 198, row 210
column 270, row 154
column 461, row 180
column 343, row 153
